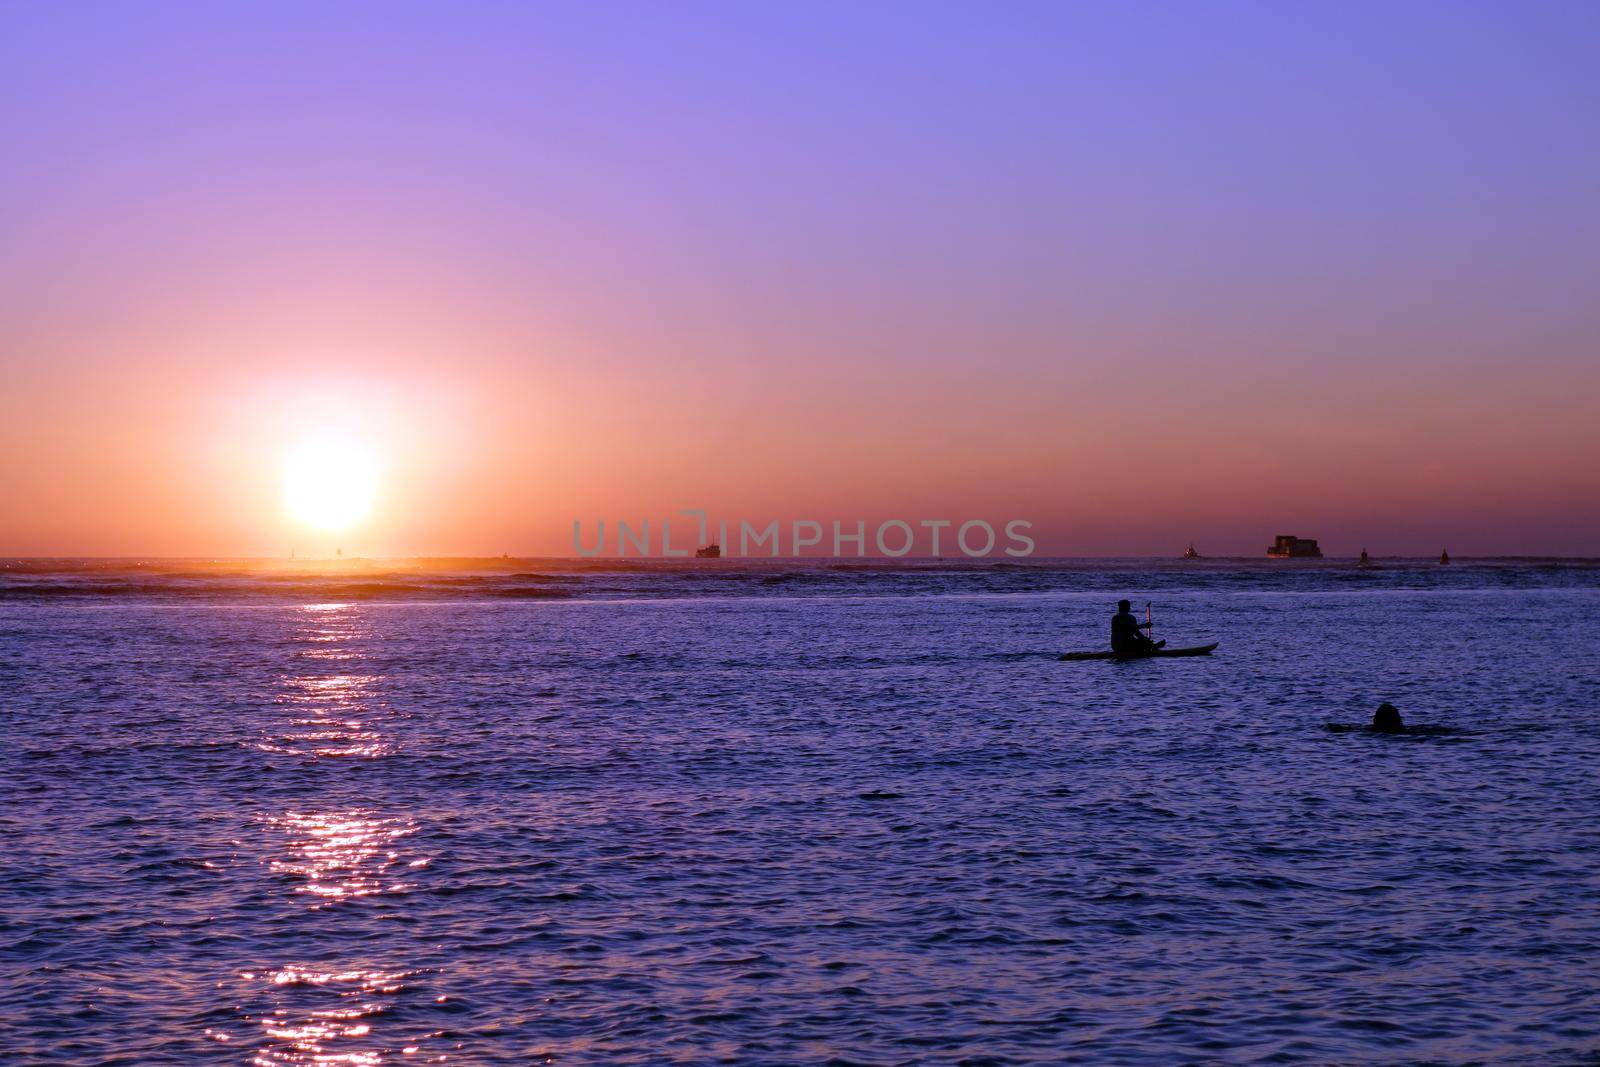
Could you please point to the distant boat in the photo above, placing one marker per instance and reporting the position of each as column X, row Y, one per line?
column 711, row 551
column 1190, row 553
column 1363, row 561
column 1287, row 546
column 1444, row 559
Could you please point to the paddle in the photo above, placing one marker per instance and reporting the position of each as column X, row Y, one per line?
column 1150, row 628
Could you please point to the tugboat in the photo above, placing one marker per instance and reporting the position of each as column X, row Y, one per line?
column 1287, row 546
column 1190, row 553
column 1444, row 559
column 711, row 551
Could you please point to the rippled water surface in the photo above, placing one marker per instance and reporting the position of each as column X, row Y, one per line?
column 788, row 813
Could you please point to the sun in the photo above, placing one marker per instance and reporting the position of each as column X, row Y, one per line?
column 330, row 483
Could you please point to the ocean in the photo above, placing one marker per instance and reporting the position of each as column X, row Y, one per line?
column 796, row 812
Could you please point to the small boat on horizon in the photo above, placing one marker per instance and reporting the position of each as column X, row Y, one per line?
column 1444, row 559
column 1190, row 553
column 711, row 551
column 1363, row 561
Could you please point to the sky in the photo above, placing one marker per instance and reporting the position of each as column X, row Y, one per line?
column 1140, row 274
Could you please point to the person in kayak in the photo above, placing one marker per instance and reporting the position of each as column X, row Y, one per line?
column 1125, row 636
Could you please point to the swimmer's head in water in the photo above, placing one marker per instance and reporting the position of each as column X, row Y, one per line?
column 1386, row 720
column 1124, row 605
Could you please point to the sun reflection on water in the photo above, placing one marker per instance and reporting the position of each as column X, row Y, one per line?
column 347, row 862
column 340, row 1029
column 343, row 855
column 332, row 713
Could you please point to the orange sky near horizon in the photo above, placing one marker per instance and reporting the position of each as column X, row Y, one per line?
column 917, row 281
column 487, row 449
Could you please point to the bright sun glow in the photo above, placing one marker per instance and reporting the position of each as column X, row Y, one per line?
column 330, row 483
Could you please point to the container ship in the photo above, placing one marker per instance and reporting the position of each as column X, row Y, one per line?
column 1287, row 546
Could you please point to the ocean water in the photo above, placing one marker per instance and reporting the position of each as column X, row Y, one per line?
column 781, row 812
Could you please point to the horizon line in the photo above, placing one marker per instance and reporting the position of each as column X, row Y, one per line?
column 507, row 557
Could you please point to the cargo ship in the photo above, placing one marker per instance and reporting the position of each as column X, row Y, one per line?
column 1287, row 546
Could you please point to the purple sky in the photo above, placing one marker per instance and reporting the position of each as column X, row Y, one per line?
column 1141, row 273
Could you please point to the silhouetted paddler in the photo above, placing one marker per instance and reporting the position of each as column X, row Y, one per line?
column 1125, row 627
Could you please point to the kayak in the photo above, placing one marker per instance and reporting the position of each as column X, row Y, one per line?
column 1198, row 650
